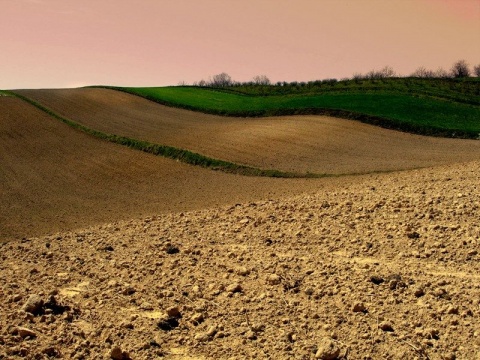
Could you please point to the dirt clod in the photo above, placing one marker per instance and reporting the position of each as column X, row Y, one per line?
column 328, row 349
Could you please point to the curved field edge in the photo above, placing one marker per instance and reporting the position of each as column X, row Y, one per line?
column 171, row 152
column 407, row 113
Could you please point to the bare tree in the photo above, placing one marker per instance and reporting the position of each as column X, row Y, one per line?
column 476, row 70
column 386, row 72
column 261, row 80
column 441, row 73
column 421, row 72
column 460, row 69
column 221, row 80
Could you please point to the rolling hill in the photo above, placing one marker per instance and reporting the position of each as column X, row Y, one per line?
column 302, row 144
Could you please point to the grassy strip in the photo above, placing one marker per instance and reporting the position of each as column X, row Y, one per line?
column 171, row 152
column 404, row 112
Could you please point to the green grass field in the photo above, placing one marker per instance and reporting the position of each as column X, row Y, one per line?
column 438, row 107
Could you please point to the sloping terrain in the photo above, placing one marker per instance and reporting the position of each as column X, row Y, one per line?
column 386, row 268
column 53, row 177
column 118, row 254
column 292, row 143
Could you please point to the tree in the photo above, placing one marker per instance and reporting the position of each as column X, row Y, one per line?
column 221, row 80
column 460, row 69
column 387, row 72
column 261, row 80
column 384, row 73
column 476, row 70
column 441, row 73
column 421, row 72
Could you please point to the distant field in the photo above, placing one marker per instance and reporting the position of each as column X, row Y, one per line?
column 445, row 111
column 305, row 144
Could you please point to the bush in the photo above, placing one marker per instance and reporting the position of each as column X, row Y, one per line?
column 476, row 70
column 460, row 69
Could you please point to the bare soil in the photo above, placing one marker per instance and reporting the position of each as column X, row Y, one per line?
column 118, row 254
column 386, row 268
column 53, row 177
column 316, row 144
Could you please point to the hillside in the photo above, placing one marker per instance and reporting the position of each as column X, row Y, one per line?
column 303, row 144
column 439, row 107
column 53, row 177
column 383, row 268
column 110, row 252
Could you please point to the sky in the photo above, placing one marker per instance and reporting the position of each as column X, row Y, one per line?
column 72, row 43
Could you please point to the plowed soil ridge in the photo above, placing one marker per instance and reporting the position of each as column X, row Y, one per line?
column 315, row 144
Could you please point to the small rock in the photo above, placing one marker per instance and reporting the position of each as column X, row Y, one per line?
column 203, row 337
column 273, row 279
column 197, row 318
column 449, row 356
column 24, row 332
column 212, row 330
column 146, row 306
column 359, row 307
column 250, row 335
column 242, row 271
column 51, row 352
column 174, row 311
column 385, row 326
column 33, row 305
column 419, row 292
column 309, row 291
column 328, row 349
column 452, row 310
column 258, row 327
column 290, row 336
column 432, row 333
column 118, row 354
column 129, row 290
column 234, row 288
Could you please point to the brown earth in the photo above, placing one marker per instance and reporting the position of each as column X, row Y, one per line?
column 386, row 268
column 218, row 266
column 53, row 177
column 316, row 144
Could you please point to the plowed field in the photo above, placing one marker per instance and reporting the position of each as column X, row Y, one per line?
column 53, row 177
column 303, row 143
column 118, row 254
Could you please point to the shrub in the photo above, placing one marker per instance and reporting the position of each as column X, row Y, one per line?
column 460, row 69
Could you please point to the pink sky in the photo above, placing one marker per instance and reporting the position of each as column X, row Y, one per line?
column 69, row 43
